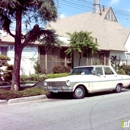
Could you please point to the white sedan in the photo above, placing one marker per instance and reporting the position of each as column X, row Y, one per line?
column 87, row 79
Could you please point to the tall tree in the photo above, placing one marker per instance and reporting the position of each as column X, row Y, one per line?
column 82, row 42
column 39, row 12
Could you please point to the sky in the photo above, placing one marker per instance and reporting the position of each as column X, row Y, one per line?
column 67, row 8
column 72, row 7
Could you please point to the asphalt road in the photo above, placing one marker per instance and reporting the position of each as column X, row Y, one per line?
column 103, row 111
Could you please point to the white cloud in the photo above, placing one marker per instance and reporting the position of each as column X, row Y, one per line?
column 62, row 16
column 114, row 2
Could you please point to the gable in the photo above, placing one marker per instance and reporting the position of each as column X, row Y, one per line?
column 110, row 15
column 127, row 45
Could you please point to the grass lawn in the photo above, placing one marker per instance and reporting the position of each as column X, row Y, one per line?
column 6, row 94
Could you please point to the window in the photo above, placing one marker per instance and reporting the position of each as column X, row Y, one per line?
column 127, row 55
column 108, row 71
column 84, row 70
column 98, row 71
column 3, row 50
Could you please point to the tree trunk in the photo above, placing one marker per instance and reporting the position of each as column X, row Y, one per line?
column 79, row 58
column 18, row 51
column 16, row 71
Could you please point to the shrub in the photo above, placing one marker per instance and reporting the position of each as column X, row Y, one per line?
column 121, row 71
column 36, row 77
column 126, row 68
column 24, row 78
column 57, row 75
column 7, row 94
column 32, row 77
column 8, row 74
column 61, row 69
column 37, row 68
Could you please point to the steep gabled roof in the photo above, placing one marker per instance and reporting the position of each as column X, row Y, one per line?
column 104, row 27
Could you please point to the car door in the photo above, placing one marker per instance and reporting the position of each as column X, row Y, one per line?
column 99, row 82
column 111, row 77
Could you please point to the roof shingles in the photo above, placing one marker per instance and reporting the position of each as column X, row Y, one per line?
column 110, row 34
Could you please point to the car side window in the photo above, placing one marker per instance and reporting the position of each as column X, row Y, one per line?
column 108, row 71
column 98, row 71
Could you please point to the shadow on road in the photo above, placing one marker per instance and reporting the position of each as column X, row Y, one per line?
column 106, row 93
column 69, row 95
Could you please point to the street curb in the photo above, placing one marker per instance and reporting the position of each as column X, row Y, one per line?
column 26, row 99
column 3, row 101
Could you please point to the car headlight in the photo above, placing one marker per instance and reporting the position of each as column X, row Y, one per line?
column 45, row 83
column 68, row 83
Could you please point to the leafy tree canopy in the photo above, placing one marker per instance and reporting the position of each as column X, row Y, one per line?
column 38, row 12
column 82, row 42
column 31, row 11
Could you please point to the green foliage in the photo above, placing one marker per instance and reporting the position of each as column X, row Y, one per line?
column 115, row 62
column 8, row 74
column 37, row 68
column 82, row 42
column 3, row 60
column 3, row 57
column 61, row 69
column 32, row 77
column 42, row 77
column 126, row 68
column 7, row 94
column 57, row 75
column 39, row 12
column 9, row 67
column 121, row 71
column 36, row 11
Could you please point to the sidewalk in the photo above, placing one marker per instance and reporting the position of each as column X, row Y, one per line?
column 24, row 99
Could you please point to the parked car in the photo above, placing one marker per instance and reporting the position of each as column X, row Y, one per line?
column 87, row 79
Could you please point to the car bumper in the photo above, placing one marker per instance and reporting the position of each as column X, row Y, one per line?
column 59, row 89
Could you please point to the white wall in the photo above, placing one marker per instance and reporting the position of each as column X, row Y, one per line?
column 127, row 44
column 120, row 55
column 29, row 56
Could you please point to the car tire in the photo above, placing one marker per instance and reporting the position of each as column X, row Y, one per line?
column 50, row 95
column 79, row 92
column 118, row 88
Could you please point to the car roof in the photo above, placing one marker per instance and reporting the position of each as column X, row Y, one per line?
column 92, row 66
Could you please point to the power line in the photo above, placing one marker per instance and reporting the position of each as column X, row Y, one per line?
column 88, row 6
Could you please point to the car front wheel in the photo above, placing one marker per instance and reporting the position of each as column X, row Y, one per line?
column 79, row 92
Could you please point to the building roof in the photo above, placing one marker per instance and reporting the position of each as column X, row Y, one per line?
column 105, row 27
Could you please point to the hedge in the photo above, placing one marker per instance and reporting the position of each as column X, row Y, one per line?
column 38, row 78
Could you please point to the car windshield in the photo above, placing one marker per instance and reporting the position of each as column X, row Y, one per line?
column 83, row 70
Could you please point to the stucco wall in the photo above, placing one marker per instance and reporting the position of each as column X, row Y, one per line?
column 76, row 60
column 120, row 55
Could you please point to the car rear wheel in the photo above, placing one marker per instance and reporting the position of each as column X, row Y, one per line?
column 118, row 88
column 79, row 92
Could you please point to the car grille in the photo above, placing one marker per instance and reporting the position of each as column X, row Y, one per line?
column 56, row 84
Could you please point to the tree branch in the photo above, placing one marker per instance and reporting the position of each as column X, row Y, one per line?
column 46, row 37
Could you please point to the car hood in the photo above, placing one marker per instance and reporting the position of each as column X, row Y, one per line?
column 71, row 78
